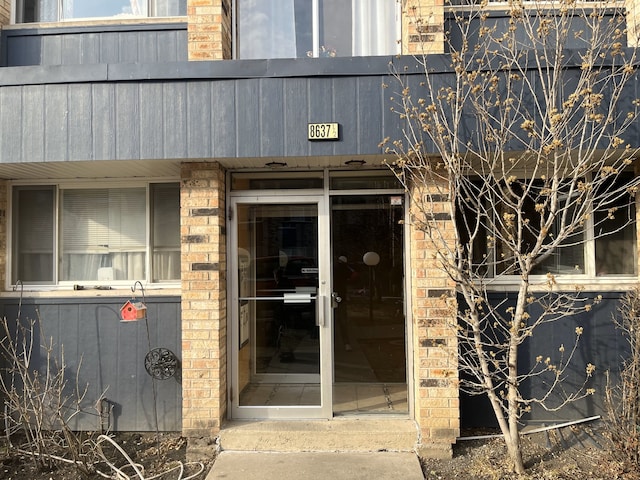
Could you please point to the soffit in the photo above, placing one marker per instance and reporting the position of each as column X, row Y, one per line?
column 169, row 168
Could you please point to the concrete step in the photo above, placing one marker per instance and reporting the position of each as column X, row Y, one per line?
column 357, row 434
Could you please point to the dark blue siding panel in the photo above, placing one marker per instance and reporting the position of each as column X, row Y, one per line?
column 600, row 344
column 225, row 125
column 174, row 97
column 71, row 49
column 248, row 107
column 80, row 125
column 148, row 48
column 127, row 118
column 51, row 49
column 296, row 116
column 33, row 122
column 128, row 47
column 199, row 119
column 370, row 101
column 271, row 118
column 56, row 116
column 320, row 111
column 345, row 100
column 103, row 121
column 110, row 47
column 11, row 124
column 107, row 356
column 151, row 120
column 90, row 48
column 24, row 51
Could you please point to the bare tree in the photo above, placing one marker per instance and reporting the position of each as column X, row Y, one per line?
column 522, row 131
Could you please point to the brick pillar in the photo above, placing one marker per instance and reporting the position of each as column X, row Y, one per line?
column 204, row 316
column 633, row 17
column 209, row 29
column 434, row 340
column 5, row 12
column 422, row 27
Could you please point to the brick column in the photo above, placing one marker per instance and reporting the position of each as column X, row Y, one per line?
column 5, row 12
column 209, row 29
column 204, row 316
column 422, row 27
column 434, row 339
column 633, row 17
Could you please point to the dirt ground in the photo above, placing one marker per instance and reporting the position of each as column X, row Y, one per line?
column 171, row 461
column 577, row 452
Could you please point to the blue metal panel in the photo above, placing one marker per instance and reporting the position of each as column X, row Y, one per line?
column 199, row 120
column 127, row 120
column 248, row 124
column 271, row 118
column 108, row 356
column 80, row 146
column 55, row 122
column 151, row 120
column 174, row 115
column 224, row 122
column 103, row 116
column 320, row 95
column 345, row 98
column 11, row 124
column 296, row 116
column 34, row 126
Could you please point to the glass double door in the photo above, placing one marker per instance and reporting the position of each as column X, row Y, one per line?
column 317, row 307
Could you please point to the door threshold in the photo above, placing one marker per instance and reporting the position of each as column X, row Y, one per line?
column 362, row 433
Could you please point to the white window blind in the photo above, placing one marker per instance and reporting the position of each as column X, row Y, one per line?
column 99, row 220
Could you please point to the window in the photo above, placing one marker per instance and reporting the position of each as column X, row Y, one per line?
column 98, row 235
column 317, row 28
column 60, row 10
column 604, row 246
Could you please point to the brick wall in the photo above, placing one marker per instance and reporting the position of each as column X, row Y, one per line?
column 5, row 12
column 434, row 338
column 422, row 27
column 633, row 18
column 204, row 317
column 209, row 29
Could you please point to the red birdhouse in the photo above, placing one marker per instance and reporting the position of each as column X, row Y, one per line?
column 132, row 311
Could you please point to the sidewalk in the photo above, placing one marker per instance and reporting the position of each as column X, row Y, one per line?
column 236, row 465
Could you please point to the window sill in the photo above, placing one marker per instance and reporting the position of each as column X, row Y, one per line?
column 92, row 22
column 40, row 291
column 539, row 283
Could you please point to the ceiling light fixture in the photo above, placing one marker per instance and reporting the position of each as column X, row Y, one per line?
column 355, row 162
column 275, row 164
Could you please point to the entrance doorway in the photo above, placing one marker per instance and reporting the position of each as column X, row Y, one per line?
column 369, row 343
column 317, row 311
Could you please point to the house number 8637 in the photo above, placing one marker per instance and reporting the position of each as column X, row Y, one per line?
column 322, row 131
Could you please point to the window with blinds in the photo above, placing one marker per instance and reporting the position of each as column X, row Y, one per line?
column 99, row 235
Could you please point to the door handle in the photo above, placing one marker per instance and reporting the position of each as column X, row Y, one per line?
column 320, row 311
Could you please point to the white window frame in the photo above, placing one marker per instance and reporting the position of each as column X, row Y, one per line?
column 58, row 284
column 589, row 279
column 14, row 15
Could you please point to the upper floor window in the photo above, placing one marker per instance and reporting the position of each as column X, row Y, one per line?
column 100, row 235
column 59, row 10
column 317, row 28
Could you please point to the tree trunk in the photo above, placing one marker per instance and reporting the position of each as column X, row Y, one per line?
column 514, row 450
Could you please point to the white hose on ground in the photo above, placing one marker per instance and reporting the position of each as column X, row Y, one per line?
column 535, row 430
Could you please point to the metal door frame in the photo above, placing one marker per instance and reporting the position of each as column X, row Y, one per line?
column 323, row 311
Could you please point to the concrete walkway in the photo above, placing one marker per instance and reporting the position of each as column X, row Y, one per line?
column 236, row 465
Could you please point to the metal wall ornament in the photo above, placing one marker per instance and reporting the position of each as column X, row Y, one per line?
column 161, row 363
